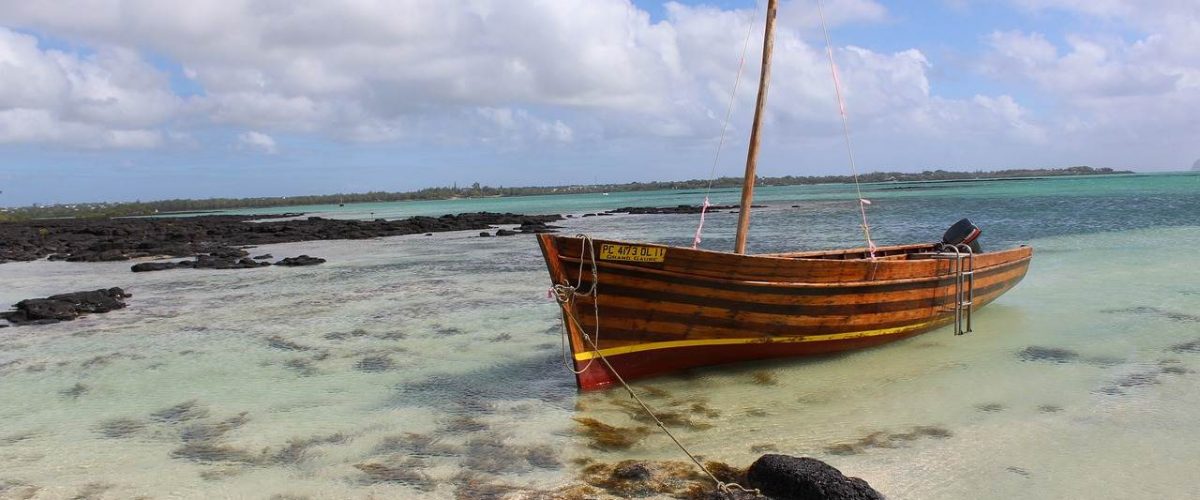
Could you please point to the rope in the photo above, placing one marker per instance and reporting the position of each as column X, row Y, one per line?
column 564, row 294
column 837, row 87
column 712, row 173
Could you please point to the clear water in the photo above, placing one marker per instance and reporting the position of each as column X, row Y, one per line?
column 438, row 359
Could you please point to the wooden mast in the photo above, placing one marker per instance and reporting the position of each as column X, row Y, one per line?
column 752, row 154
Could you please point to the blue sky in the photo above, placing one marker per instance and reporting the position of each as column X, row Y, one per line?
column 142, row 100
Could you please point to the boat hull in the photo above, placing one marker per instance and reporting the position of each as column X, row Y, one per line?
column 666, row 309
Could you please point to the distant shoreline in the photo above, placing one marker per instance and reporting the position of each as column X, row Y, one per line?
column 188, row 206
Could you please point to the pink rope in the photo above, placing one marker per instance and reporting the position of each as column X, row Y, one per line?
column 712, row 174
column 837, row 87
column 700, row 228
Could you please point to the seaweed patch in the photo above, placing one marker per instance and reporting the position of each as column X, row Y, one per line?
column 1018, row 471
column 212, row 431
column 10, row 488
column 445, row 331
column 208, row 452
column 277, row 342
column 415, row 444
column 92, row 491
column 880, row 439
column 673, row 479
column 463, row 424
column 106, row 359
column 1143, row 378
column 303, row 367
column 17, row 438
column 763, row 448
column 75, row 391
column 990, row 407
column 407, row 472
column 671, row 416
column 1187, row 347
column 297, row 450
column 373, row 364
column 1154, row 311
column 187, row 410
column 607, row 437
column 764, row 378
column 490, row 454
column 1047, row 354
column 120, row 427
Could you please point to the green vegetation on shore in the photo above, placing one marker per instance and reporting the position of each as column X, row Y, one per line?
column 87, row 210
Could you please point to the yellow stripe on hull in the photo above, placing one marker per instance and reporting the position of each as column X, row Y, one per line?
column 649, row 346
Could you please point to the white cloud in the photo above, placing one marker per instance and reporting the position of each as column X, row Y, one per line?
column 1127, row 100
column 257, row 141
column 384, row 71
column 575, row 73
column 110, row 99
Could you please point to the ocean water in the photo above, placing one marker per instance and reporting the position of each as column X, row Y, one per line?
column 408, row 367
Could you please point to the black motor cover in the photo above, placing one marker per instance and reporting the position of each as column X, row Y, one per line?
column 963, row 231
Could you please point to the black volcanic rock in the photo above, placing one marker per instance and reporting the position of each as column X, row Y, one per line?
column 212, row 262
column 227, row 252
column 537, row 228
column 801, row 478
column 98, row 240
column 153, row 266
column 66, row 307
column 302, row 260
column 201, row 262
column 679, row 209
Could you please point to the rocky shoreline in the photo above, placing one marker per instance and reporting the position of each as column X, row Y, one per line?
column 212, row 239
column 65, row 307
column 101, row 240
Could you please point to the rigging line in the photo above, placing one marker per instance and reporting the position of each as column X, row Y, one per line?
column 837, row 87
column 724, row 129
column 565, row 295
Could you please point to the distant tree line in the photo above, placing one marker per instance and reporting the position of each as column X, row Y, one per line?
column 138, row 208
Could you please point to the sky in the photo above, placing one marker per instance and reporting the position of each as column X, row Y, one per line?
column 117, row 100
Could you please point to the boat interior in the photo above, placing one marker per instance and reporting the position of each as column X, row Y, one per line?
column 897, row 252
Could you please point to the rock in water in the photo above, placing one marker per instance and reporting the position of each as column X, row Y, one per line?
column 96, row 301
column 801, row 478
column 302, row 260
column 66, row 307
column 146, row 267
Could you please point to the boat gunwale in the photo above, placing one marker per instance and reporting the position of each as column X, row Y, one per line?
column 782, row 256
column 800, row 284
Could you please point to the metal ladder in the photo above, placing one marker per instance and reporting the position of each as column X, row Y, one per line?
column 962, row 266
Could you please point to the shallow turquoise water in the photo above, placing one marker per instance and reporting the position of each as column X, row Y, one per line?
column 439, row 357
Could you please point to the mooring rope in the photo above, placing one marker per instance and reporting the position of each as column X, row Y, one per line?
column 564, row 294
column 837, row 87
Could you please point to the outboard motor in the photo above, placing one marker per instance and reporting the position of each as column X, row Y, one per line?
column 962, row 232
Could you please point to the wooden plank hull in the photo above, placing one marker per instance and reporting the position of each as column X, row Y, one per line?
column 683, row 308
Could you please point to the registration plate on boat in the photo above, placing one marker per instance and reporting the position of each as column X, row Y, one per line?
column 632, row 253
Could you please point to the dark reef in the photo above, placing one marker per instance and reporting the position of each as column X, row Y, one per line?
column 65, row 307
column 99, row 240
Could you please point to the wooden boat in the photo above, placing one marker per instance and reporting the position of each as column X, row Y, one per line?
column 633, row 310
column 698, row 308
